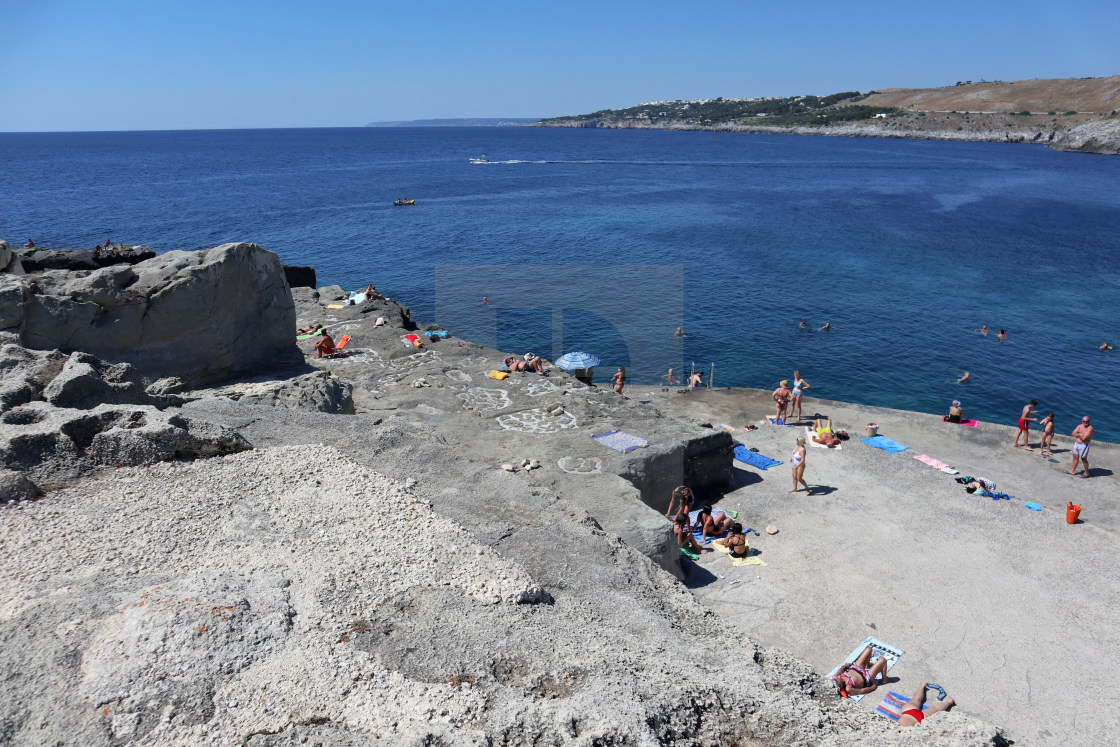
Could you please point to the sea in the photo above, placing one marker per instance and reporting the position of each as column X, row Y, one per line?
column 607, row 241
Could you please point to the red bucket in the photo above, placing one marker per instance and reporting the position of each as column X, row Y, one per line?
column 1072, row 512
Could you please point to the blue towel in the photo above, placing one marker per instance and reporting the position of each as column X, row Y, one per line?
column 436, row 335
column 746, row 456
column 884, row 443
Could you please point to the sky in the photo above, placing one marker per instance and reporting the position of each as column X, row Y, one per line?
column 69, row 65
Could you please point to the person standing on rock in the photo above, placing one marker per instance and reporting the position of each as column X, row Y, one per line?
column 799, row 385
column 1025, row 424
column 781, row 397
column 798, row 461
column 619, row 379
column 1083, row 434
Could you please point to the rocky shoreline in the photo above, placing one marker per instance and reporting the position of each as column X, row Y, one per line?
column 1101, row 137
column 212, row 537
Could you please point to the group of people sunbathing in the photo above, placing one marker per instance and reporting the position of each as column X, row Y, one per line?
column 857, row 678
column 709, row 522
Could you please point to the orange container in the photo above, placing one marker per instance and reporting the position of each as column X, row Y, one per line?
column 1072, row 512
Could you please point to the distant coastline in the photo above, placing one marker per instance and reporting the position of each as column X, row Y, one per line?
column 467, row 122
column 1069, row 114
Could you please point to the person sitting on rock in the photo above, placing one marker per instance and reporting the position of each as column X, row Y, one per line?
column 324, row 345
column 29, row 245
column 955, row 412
column 683, row 533
column 712, row 523
column 736, row 542
column 372, row 294
column 684, row 495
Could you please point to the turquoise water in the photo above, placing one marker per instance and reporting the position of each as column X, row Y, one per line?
column 906, row 247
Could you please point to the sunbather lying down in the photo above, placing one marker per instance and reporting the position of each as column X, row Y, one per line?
column 857, row 679
column 912, row 714
column 824, row 434
column 309, row 330
column 534, row 363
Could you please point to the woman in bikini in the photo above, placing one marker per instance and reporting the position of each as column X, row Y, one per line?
column 619, row 379
column 736, row 542
column 712, row 523
column 1047, row 435
column 857, row 679
column 799, row 385
column 683, row 533
column 684, row 495
column 912, row 714
column 781, row 397
column 798, row 460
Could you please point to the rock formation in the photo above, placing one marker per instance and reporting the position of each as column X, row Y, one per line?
column 1092, row 137
column 201, row 316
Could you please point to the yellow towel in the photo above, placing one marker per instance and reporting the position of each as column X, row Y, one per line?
column 499, row 375
column 737, row 561
column 335, row 306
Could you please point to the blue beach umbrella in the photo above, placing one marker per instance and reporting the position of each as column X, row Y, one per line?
column 572, row 361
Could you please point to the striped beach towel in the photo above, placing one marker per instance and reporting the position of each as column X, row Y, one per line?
column 892, row 705
column 878, row 648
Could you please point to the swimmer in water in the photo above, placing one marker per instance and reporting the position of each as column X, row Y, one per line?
column 1002, row 335
column 983, row 330
column 803, row 323
column 827, row 325
column 679, row 332
column 963, row 379
column 485, row 300
column 1105, row 346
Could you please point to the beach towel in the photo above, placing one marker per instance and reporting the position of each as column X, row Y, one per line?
column 412, row 340
column 930, row 461
column 878, row 648
column 970, row 423
column 884, row 443
column 620, row 441
column 746, row 456
column 309, row 335
column 892, row 705
column 810, row 432
column 440, row 335
column 749, row 560
column 356, row 298
column 780, row 421
column 728, row 428
column 335, row 306
column 689, row 553
column 499, row 375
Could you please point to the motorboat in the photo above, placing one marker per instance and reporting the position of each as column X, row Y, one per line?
column 480, row 159
column 404, row 202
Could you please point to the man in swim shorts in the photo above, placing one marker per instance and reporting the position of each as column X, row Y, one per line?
column 1025, row 424
column 1083, row 434
column 912, row 713
column 825, row 435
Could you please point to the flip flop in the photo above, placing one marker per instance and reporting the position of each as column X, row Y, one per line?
column 940, row 690
column 1032, row 507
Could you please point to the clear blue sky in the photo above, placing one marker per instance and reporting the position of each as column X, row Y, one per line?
column 124, row 64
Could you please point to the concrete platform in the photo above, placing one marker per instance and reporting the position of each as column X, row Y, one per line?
column 1012, row 611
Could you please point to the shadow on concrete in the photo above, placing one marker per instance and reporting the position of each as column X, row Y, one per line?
column 1099, row 472
column 822, row 490
column 697, row 576
column 741, row 478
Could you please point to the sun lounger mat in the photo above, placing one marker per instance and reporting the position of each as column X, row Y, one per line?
column 620, row 441
column 754, row 459
column 878, row 648
column 884, row 443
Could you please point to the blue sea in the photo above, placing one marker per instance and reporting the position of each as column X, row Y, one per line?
column 905, row 247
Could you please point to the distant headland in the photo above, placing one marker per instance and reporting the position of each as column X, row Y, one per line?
column 1072, row 114
column 469, row 122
